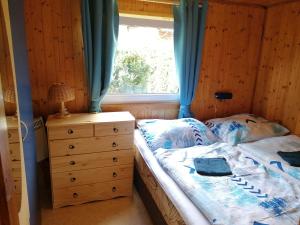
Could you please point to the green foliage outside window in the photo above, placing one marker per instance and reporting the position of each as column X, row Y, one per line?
column 131, row 74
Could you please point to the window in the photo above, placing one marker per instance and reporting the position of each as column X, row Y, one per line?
column 144, row 66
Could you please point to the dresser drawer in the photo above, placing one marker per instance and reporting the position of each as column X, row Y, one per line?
column 90, row 161
column 16, row 169
column 90, row 145
column 105, row 129
column 85, row 193
column 72, row 131
column 17, row 185
column 14, row 150
column 13, row 135
column 90, row 176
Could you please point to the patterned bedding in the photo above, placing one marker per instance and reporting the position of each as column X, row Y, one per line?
column 255, row 194
column 266, row 151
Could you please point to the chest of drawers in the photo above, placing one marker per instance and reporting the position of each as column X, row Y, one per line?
column 91, row 157
column 15, row 155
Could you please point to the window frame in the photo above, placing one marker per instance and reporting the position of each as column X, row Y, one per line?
column 139, row 98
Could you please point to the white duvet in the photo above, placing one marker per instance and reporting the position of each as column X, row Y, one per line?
column 266, row 151
column 254, row 195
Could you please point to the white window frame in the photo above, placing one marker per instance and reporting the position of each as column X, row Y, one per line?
column 139, row 98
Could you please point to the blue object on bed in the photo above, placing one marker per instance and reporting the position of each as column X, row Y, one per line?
column 212, row 166
column 293, row 158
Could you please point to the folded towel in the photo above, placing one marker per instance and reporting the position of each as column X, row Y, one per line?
column 293, row 158
column 212, row 166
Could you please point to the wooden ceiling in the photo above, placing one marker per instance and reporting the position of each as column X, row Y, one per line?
column 265, row 3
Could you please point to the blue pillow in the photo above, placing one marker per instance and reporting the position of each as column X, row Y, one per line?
column 244, row 128
column 180, row 133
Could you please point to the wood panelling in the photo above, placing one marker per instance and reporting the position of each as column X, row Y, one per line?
column 6, row 68
column 266, row 3
column 297, row 130
column 278, row 84
column 230, row 59
column 146, row 110
column 55, row 51
column 144, row 8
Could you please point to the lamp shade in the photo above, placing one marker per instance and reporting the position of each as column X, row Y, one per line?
column 10, row 95
column 59, row 92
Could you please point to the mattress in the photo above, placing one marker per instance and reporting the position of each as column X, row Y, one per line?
column 189, row 213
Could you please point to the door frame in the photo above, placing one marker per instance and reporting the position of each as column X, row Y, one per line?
column 10, row 214
column 8, row 206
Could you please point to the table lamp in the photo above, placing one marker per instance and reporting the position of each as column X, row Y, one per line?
column 61, row 93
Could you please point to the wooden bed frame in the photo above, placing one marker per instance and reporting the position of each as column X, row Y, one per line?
column 161, row 209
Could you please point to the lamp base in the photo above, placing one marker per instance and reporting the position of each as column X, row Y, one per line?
column 63, row 113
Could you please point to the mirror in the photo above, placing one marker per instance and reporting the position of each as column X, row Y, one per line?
column 12, row 119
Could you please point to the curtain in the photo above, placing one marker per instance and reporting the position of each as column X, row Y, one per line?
column 100, row 20
column 189, row 28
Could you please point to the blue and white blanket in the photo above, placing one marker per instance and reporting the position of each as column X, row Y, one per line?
column 254, row 194
column 266, row 151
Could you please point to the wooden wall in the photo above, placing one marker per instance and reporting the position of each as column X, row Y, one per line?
column 146, row 110
column 266, row 3
column 55, row 51
column 136, row 7
column 230, row 59
column 6, row 68
column 278, row 86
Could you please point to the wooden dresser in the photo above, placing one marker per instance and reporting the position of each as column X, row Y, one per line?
column 15, row 155
column 91, row 157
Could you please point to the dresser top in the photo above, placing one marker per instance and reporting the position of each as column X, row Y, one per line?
column 87, row 118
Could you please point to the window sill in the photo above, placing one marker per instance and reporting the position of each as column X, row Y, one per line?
column 140, row 98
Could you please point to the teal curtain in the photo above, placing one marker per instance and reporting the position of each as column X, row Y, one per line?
column 100, row 20
column 189, row 28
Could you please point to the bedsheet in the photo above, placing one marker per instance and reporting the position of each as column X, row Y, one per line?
column 254, row 194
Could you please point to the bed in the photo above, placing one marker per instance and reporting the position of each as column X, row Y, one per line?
column 177, row 206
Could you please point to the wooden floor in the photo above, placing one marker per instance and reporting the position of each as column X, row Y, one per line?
column 120, row 211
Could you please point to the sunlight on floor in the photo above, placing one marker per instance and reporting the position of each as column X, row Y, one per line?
column 120, row 211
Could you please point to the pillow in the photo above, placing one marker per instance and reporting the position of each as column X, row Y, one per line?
column 180, row 133
column 244, row 128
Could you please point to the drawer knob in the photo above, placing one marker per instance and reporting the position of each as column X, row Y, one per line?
column 72, row 163
column 116, row 130
column 114, row 189
column 114, row 144
column 73, row 179
column 70, row 131
column 75, row 195
column 115, row 174
column 71, row 146
column 115, row 159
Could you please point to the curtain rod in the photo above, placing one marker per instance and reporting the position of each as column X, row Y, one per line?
column 167, row 2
